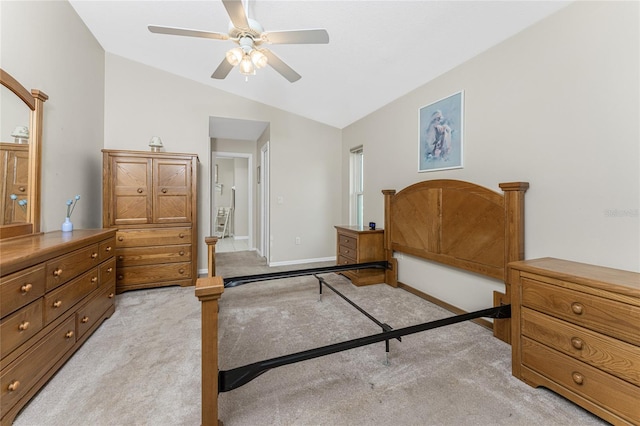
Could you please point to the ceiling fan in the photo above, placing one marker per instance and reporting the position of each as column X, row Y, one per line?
column 249, row 35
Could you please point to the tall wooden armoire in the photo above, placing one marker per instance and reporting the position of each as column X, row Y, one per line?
column 151, row 198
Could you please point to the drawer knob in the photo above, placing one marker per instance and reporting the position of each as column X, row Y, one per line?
column 181, row 235
column 347, row 251
column 57, row 272
column 94, row 280
column 107, row 249
column 23, row 325
column 26, row 288
column 181, row 271
column 13, row 385
column 111, row 295
column 164, row 190
column 22, row 189
column 120, row 238
column 69, row 334
column 109, row 270
column 121, row 258
column 57, row 303
column 181, row 253
column 85, row 319
column 94, row 255
column 140, row 190
column 577, row 378
column 577, row 308
column 120, row 277
column 577, row 342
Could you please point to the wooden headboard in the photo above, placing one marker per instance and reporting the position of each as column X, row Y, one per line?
column 459, row 224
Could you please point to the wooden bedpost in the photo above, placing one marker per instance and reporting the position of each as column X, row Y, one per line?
column 208, row 291
column 390, row 275
column 514, row 248
column 211, row 254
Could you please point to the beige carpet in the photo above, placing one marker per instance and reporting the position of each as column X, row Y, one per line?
column 142, row 365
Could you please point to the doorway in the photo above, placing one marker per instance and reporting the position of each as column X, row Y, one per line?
column 232, row 201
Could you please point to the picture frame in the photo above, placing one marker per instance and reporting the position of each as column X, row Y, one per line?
column 440, row 134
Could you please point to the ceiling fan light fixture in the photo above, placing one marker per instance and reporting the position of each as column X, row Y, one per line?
column 234, row 56
column 259, row 59
column 246, row 66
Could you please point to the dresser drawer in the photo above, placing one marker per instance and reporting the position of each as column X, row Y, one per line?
column 20, row 326
column 345, row 260
column 153, row 237
column 132, row 275
column 90, row 313
column 347, row 241
column 107, row 272
column 60, row 300
column 610, row 355
column 64, row 268
column 20, row 289
column 606, row 316
column 619, row 396
column 135, row 256
column 20, row 376
column 106, row 249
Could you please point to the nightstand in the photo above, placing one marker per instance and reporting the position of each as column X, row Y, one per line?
column 356, row 244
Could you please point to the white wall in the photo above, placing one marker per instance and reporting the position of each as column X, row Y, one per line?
column 142, row 101
column 46, row 46
column 557, row 105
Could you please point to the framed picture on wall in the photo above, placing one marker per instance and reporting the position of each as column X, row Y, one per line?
column 440, row 134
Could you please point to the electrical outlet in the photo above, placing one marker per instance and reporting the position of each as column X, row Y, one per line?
column 298, row 241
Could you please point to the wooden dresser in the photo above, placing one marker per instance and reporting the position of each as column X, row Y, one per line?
column 355, row 244
column 56, row 289
column 576, row 331
column 151, row 198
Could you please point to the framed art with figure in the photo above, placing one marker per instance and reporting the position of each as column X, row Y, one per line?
column 440, row 134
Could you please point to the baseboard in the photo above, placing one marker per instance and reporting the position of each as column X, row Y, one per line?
column 301, row 261
column 443, row 304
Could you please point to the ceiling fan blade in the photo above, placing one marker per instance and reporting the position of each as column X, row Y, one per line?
column 187, row 32
column 236, row 13
column 317, row 36
column 277, row 64
column 223, row 70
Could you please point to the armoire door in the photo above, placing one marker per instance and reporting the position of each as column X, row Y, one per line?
column 132, row 195
column 172, row 190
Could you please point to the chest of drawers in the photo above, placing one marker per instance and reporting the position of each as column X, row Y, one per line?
column 151, row 198
column 56, row 289
column 576, row 331
column 356, row 244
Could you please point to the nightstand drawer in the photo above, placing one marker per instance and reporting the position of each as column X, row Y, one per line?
column 619, row 396
column 606, row 316
column 348, row 252
column 610, row 355
column 347, row 241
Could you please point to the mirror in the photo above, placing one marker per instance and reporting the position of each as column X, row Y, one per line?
column 20, row 157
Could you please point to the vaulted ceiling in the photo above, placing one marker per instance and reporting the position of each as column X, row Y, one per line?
column 378, row 50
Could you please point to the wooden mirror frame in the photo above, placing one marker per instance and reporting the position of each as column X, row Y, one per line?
column 35, row 101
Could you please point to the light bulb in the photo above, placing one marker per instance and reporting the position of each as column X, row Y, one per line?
column 246, row 66
column 259, row 59
column 234, row 56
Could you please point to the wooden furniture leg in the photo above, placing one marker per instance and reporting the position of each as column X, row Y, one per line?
column 208, row 291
